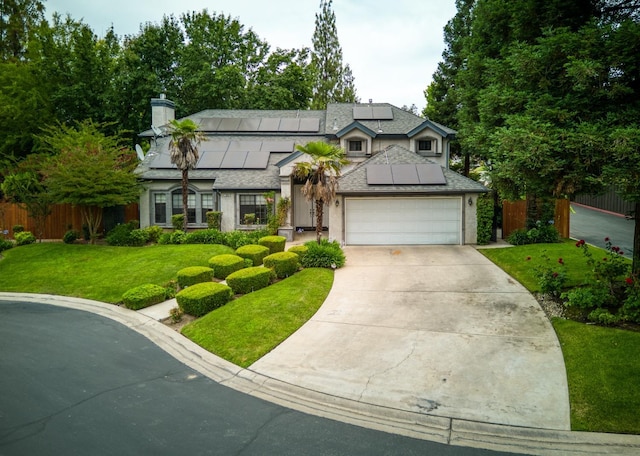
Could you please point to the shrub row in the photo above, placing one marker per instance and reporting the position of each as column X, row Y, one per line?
column 194, row 274
column 253, row 252
column 143, row 296
column 225, row 264
column 202, row 298
column 129, row 235
column 233, row 239
column 249, row 279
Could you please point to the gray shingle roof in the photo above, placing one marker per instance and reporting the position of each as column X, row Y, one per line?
column 355, row 181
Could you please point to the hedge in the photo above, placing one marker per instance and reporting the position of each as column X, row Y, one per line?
column 253, row 252
column 225, row 264
column 249, row 279
column 143, row 296
column 299, row 250
column 194, row 274
column 284, row 264
column 275, row 243
column 202, row 298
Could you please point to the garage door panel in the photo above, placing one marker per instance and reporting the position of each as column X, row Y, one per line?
column 389, row 221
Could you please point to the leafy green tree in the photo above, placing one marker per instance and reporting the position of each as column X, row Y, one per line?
column 185, row 139
column 17, row 20
column 89, row 169
column 333, row 81
column 25, row 186
column 218, row 60
column 320, row 175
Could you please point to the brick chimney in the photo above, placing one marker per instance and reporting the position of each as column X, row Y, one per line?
column 163, row 111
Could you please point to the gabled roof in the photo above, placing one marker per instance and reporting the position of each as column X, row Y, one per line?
column 356, row 126
column 355, row 180
column 438, row 128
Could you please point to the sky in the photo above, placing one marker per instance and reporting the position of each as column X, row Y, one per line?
column 392, row 46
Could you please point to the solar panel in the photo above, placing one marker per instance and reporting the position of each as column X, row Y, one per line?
column 234, row 159
column 362, row 113
column 382, row 113
column 229, row 124
column 269, row 124
column 211, row 159
column 404, row 174
column 244, row 145
column 209, row 123
column 379, row 175
column 207, row 146
column 291, row 125
column 277, row 146
column 249, row 125
column 257, row 159
column 430, row 174
column 310, row 124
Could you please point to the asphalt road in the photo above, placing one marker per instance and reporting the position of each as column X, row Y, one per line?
column 75, row 383
column 594, row 226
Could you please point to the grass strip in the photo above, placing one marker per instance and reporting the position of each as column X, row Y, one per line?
column 251, row 326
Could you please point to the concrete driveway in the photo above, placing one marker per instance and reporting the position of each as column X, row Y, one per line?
column 437, row 330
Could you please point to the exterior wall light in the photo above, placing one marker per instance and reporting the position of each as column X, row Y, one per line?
column 470, row 201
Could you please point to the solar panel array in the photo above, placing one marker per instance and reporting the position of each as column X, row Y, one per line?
column 372, row 113
column 409, row 174
column 264, row 124
column 229, row 154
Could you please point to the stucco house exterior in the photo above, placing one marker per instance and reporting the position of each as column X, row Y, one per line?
column 397, row 188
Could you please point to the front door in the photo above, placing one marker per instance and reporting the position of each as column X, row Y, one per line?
column 304, row 211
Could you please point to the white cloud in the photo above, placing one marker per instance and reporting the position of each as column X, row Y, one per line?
column 393, row 48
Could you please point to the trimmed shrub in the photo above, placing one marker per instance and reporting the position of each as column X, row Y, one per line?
column 225, row 264
column 177, row 221
column 202, row 298
column 17, row 229
column 299, row 250
column 324, row 255
column 154, row 233
column 194, row 274
column 24, row 238
column 275, row 243
column 5, row 245
column 177, row 237
column 214, row 220
column 484, row 210
column 284, row 264
column 138, row 238
column 143, row 296
column 119, row 235
column 253, row 252
column 209, row 236
column 70, row 237
column 249, row 279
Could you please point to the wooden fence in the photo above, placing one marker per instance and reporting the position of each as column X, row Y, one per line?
column 514, row 216
column 63, row 218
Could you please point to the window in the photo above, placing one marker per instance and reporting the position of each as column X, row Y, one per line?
column 167, row 203
column 424, row 145
column 253, row 204
column 160, row 208
column 355, row 146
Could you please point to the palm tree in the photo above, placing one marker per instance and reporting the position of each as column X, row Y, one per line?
column 183, row 146
column 320, row 175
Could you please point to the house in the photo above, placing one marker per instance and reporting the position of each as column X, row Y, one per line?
column 397, row 189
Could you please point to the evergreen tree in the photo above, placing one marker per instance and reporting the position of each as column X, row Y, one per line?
column 333, row 81
column 17, row 19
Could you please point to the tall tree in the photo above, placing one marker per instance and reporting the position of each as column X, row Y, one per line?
column 18, row 18
column 218, row 60
column 333, row 81
column 320, row 176
column 185, row 139
column 89, row 169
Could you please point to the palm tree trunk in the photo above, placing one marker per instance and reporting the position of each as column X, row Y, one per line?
column 185, row 198
column 319, row 214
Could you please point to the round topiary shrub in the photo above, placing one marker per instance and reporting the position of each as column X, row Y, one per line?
column 70, row 237
column 275, row 243
column 299, row 250
column 143, row 296
column 249, row 279
column 253, row 252
column 194, row 274
column 284, row 264
column 225, row 264
column 202, row 298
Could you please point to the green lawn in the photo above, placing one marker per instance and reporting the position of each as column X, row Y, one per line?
column 96, row 272
column 251, row 326
column 513, row 260
column 603, row 368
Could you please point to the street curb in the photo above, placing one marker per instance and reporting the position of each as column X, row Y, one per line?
column 445, row 430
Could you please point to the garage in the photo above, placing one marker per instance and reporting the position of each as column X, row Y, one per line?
column 403, row 220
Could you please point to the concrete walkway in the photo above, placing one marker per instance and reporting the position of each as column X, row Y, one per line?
column 434, row 330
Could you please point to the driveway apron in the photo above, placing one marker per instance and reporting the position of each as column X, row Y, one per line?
column 438, row 330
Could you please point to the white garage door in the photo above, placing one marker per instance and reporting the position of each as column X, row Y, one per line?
column 398, row 221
